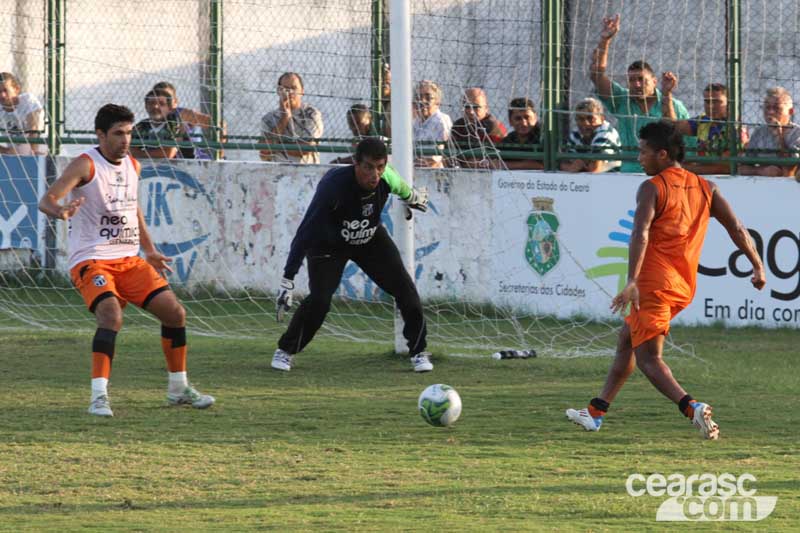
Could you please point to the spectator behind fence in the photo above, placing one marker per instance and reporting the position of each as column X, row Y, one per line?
column 21, row 115
column 359, row 120
column 526, row 130
column 194, row 125
column 780, row 137
column 635, row 106
column 155, row 129
column 386, row 102
column 293, row 123
column 430, row 123
column 711, row 129
column 477, row 129
column 592, row 134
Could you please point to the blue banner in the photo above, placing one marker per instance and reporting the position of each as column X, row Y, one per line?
column 19, row 200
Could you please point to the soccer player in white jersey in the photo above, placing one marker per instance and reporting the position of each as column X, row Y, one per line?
column 107, row 230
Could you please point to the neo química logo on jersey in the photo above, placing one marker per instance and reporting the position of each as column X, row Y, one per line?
column 358, row 286
column 165, row 192
column 703, row 497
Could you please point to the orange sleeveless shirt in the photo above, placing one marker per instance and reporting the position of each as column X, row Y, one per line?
column 677, row 233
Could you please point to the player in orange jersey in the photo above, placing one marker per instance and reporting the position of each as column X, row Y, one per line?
column 672, row 212
column 106, row 230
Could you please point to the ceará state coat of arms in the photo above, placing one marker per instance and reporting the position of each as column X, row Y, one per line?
column 541, row 249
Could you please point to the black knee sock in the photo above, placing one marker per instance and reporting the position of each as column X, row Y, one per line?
column 598, row 407
column 683, row 406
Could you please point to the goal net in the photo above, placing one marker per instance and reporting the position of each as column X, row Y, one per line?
column 504, row 258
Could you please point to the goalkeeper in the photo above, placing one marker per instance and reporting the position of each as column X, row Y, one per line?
column 343, row 223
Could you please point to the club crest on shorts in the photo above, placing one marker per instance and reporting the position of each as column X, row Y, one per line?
column 99, row 280
column 541, row 249
column 367, row 210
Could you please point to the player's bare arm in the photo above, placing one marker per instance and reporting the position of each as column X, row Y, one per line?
column 156, row 259
column 646, row 199
column 76, row 174
column 597, row 69
column 669, row 81
column 722, row 211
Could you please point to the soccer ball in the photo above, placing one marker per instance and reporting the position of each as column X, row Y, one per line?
column 439, row 405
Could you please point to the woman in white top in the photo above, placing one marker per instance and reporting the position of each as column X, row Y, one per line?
column 430, row 124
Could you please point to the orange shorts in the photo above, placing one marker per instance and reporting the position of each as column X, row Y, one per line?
column 653, row 317
column 130, row 279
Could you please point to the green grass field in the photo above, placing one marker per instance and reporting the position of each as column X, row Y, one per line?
column 337, row 444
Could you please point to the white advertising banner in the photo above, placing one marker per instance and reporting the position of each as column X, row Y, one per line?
column 549, row 228
column 561, row 247
column 768, row 209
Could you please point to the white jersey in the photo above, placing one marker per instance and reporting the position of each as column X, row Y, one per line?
column 106, row 226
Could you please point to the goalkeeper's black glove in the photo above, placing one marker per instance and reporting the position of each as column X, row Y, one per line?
column 284, row 298
column 418, row 199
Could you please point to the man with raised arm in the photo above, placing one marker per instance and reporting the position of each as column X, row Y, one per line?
column 669, row 227
column 635, row 106
column 712, row 129
column 106, row 232
column 343, row 223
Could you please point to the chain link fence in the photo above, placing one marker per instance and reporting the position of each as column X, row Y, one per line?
column 115, row 51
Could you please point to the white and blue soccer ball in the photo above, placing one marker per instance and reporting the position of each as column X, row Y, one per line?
column 439, row 405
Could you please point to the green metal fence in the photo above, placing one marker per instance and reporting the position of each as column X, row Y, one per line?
column 551, row 40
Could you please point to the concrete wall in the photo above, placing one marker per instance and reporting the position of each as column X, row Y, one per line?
column 535, row 242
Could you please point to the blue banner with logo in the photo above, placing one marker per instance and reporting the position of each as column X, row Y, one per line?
column 165, row 193
column 19, row 201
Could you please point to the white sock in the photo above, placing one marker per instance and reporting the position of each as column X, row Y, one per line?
column 177, row 382
column 99, row 387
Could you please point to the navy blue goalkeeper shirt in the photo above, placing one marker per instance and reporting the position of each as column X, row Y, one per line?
column 342, row 214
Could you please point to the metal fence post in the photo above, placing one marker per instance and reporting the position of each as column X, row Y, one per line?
column 551, row 77
column 376, row 47
column 56, row 15
column 215, row 63
column 733, row 35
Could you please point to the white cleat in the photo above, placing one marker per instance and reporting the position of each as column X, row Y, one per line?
column 702, row 421
column 191, row 396
column 584, row 419
column 422, row 362
column 282, row 360
column 100, row 407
